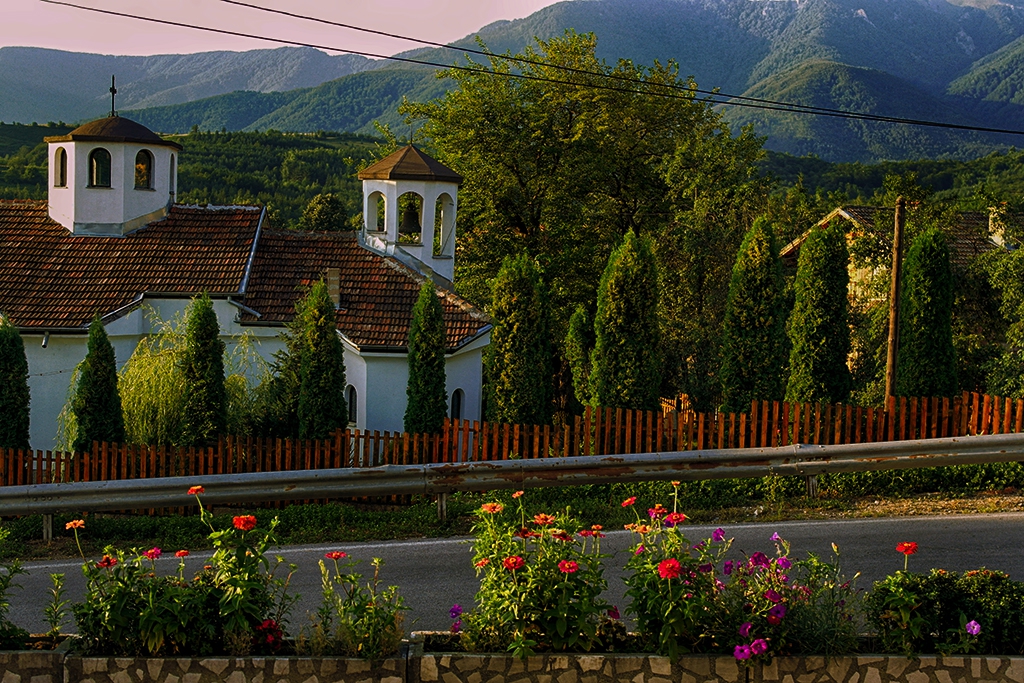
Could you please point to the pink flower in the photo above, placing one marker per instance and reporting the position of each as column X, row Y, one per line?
column 153, row 553
column 745, row 629
column 772, row 595
column 759, row 646
column 718, row 535
column 783, row 563
column 741, row 652
column 629, row 501
column 613, row 613
column 568, row 567
column 639, row 549
column 335, row 555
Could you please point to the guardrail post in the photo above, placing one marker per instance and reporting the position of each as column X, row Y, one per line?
column 47, row 528
column 442, row 507
column 812, row 485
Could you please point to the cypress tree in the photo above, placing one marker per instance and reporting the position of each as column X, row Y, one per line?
column 97, row 401
column 14, row 394
column 753, row 334
column 426, row 396
column 579, row 344
column 926, row 362
column 519, row 363
column 626, row 366
column 322, row 406
column 818, row 327
column 204, row 410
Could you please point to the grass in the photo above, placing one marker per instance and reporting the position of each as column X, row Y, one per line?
column 950, row 490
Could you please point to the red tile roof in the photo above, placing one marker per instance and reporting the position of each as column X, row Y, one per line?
column 377, row 293
column 50, row 278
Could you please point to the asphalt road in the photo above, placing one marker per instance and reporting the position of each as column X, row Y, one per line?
column 434, row 574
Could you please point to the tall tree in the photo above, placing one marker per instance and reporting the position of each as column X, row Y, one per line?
column 579, row 345
column 97, row 401
column 754, row 331
column 626, row 365
column 519, row 368
column 322, row 408
column 426, row 395
column 204, row 410
column 14, row 393
column 819, row 329
column 926, row 363
column 325, row 212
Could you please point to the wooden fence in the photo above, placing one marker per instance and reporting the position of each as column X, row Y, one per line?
column 601, row 431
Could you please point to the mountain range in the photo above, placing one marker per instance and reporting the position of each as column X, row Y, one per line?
column 959, row 62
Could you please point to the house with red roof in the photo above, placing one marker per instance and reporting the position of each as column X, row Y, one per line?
column 110, row 239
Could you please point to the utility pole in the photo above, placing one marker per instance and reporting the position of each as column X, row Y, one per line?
column 894, row 298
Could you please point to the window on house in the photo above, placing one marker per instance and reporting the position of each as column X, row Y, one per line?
column 99, row 168
column 143, row 170
column 352, row 400
column 170, row 182
column 60, row 168
column 456, row 409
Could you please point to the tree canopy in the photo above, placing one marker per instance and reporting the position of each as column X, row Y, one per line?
column 426, row 395
column 97, row 401
column 14, row 392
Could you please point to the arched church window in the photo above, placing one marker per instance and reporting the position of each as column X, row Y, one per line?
column 99, row 168
column 143, row 170
column 351, row 398
column 60, row 168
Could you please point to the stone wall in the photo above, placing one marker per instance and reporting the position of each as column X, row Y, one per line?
column 231, row 670
column 418, row 667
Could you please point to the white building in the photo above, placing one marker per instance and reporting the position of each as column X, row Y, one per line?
column 110, row 239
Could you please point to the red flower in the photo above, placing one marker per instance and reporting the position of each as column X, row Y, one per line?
column 676, row 483
column 543, row 519
column 483, row 563
column 336, row 555
column 518, row 494
column 907, row 547
column 106, row 562
column 492, row 508
column 513, row 563
column 629, row 501
column 196, row 490
column 245, row 522
column 568, row 567
column 525, row 533
column 674, row 518
column 669, row 569
column 560, row 535
column 656, row 511
column 181, row 553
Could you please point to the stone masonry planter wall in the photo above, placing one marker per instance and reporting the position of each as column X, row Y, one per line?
column 417, row 667
column 231, row 670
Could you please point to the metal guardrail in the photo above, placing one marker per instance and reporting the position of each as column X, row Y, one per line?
column 440, row 478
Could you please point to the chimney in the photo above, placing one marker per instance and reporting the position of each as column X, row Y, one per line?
column 334, row 286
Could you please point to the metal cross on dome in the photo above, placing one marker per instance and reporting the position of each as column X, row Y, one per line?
column 113, row 91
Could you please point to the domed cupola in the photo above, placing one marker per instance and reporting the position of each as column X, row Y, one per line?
column 110, row 177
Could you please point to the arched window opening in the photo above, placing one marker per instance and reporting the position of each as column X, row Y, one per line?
column 456, row 409
column 170, row 182
column 376, row 206
column 99, row 168
column 444, row 224
column 352, row 399
column 60, row 168
column 410, row 216
column 143, row 170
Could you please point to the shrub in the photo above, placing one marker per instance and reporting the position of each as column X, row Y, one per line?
column 322, row 408
column 97, row 402
column 541, row 581
column 426, row 395
column 204, row 409
column 354, row 620
column 14, row 393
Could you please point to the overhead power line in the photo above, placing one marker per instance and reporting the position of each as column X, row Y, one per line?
column 687, row 94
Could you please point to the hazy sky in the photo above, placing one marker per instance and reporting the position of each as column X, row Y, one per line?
column 37, row 24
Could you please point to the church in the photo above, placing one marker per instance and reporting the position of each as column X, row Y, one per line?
column 110, row 239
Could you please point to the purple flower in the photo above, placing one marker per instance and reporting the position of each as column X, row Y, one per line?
column 457, row 626
column 776, row 537
column 613, row 613
column 772, row 595
column 783, row 563
column 718, row 535
column 699, row 546
column 776, row 613
column 759, row 646
column 727, row 567
column 745, row 629
column 741, row 652
column 639, row 549
column 973, row 627
column 705, row 568
column 455, row 612
column 759, row 559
